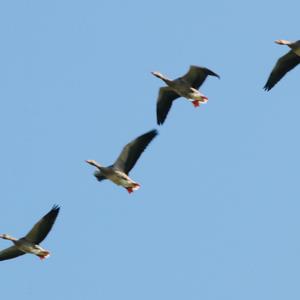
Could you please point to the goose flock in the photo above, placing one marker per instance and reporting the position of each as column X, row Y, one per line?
column 187, row 87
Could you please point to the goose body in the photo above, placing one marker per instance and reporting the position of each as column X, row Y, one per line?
column 118, row 172
column 186, row 86
column 29, row 247
column 30, row 243
column 182, row 87
column 116, row 176
column 285, row 63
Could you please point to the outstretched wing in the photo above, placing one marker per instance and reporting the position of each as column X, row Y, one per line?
column 10, row 253
column 284, row 64
column 132, row 151
column 197, row 75
column 41, row 229
column 165, row 99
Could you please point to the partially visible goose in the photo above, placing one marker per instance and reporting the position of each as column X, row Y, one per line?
column 186, row 86
column 118, row 172
column 285, row 63
column 29, row 243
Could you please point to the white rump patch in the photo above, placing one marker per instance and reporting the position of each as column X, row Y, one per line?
column 136, row 187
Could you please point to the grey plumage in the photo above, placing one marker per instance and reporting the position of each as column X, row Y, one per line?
column 35, row 236
column 118, row 172
column 184, row 86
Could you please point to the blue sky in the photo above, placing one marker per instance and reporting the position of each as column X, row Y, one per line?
column 217, row 216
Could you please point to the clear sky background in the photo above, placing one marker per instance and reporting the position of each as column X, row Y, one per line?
column 217, row 215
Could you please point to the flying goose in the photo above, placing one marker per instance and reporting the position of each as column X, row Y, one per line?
column 285, row 63
column 29, row 243
column 186, row 86
column 118, row 172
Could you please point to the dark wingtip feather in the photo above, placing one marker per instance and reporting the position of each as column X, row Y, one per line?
column 211, row 73
column 268, row 86
column 55, row 209
column 160, row 119
column 215, row 74
column 151, row 134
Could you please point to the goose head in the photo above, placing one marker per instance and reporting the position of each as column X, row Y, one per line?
column 93, row 163
column 7, row 237
column 283, row 42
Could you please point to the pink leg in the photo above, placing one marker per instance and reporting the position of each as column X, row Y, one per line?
column 129, row 189
column 196, row 103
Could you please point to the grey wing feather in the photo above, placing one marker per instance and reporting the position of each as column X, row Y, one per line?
column 99, row 175
column 165, row 99
column 284, row 64
column 10, row 253
column 41, row 229
column 197, row 75
column 132, row 151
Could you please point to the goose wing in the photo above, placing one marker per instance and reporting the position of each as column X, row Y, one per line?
column 10, row 252
column 197, row 75
column 41, row 229
column 132, row 151
column 284, row 64
column 165, row 99
column 99, row 175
